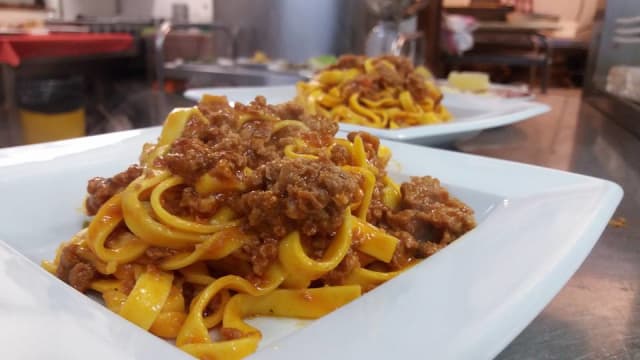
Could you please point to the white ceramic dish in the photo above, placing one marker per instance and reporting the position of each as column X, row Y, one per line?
column 504, row 91
column 466, row 302
column 472, row 113
column 274, row 94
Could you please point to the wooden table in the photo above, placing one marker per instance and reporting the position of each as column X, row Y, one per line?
column 519, row 27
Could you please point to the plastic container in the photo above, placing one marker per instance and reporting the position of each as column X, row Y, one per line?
column 51, row 109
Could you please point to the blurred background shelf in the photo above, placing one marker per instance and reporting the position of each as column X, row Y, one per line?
column 541, row 43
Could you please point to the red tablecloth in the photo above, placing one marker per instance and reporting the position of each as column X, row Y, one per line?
column 15, row 48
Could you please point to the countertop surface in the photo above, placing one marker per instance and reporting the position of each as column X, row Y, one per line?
column 597, row 314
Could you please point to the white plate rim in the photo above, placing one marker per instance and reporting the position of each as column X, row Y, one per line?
column 610, row 194
column 509, row 111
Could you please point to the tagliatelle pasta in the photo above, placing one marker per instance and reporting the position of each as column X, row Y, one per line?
column 251, row 210
column 380, row 92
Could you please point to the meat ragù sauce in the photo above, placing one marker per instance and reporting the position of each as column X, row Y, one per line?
column 272, row 193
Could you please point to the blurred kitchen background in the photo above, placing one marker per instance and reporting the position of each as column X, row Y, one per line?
column 73, row 68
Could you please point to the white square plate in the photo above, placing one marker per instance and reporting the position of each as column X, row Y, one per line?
column 471, row 113
column 468, row 301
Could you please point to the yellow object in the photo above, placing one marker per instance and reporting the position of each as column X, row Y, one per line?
column 147, row 298
column 375, row 242
column 260, row 57
column 469, row 81
column 301, row 268
column 40, row 127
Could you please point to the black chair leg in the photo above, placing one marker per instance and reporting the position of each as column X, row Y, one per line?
column 532, row 76
column 544, row 82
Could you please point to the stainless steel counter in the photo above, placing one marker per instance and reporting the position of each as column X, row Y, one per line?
column 232, row 75
column 597, row 314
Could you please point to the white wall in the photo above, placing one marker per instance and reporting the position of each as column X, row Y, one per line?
column 581, row 11
column 70, row 9
column 14, row 17
column 17, row 2
column 200, row 11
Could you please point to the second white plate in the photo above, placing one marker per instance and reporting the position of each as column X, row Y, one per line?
column 472, row 113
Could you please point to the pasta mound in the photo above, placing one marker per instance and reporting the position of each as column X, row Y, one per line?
column 379, row 92
column 250, row 210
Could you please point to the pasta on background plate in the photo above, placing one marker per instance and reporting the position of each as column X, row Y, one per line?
column 379, row 92
column 250, row 210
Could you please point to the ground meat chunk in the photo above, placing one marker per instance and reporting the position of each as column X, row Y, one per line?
column 368, row 86
column 348, row 61
column 428, row 196
column 428, row 213
column 74, row 270
column 388, row 77
column 196, row 128
column 410, row 249
column 189, row 158
column 156, row 254
column 338, row 275
column 405, row 250
column 218, row 111
column 300, row 194
column 340, row 155
column 258, row 107
column 197, row 205
column 289, row 111
column 256, row 129
column 261, row 253
column 227, row 160
column 416, row 223
column 102, row 189
column 225, row 150
column 377, row 207
column 322, row 129
column 126, row 273
column 402, row 64
column 415, row 83
column 81, row 275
